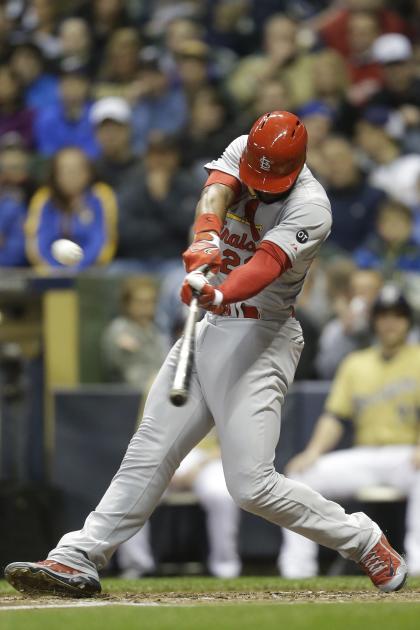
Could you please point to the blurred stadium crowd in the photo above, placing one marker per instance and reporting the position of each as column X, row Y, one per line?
column 109, row 110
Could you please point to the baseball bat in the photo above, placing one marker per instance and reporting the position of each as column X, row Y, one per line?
column 181, row 383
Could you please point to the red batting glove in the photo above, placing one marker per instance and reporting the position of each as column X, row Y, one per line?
column 209, row 297
column 203, row 252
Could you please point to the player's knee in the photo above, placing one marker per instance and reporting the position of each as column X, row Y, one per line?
column 252, row 492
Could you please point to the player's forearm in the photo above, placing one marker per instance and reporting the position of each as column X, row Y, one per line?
column 328, row 432
column 215, row 199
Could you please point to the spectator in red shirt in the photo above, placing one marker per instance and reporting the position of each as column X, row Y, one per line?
column 334, row 29
column 363, row 28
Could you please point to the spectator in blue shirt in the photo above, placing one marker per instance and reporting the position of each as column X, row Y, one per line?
column 15, row 190
column 160, row 107
column 392, row 248
column 74, row 208
column 40, row 88
column 67, row 123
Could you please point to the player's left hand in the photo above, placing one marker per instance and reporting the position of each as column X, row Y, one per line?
column 209, row 297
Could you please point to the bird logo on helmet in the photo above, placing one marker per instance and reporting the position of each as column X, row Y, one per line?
column 265, row 163
column 275, row 152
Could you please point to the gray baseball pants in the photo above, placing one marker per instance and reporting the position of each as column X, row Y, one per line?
column 243, row 368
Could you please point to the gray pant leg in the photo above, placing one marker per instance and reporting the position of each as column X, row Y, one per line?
column 166, row 434
column 245, row 394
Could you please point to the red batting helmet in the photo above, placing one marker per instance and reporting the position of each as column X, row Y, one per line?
column 275, row 152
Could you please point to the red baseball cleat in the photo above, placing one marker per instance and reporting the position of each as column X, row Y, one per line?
column 385, row 567
column 48, row 577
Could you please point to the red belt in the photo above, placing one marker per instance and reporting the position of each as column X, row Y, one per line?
column 242, row 310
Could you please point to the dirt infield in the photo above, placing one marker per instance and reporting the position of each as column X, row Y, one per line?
column 9, row 602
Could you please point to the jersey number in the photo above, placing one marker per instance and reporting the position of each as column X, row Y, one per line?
column 230, row 260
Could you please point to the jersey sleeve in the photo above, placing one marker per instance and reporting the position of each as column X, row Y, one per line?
column 302, row 231
column 228, row 162
column 340, row 399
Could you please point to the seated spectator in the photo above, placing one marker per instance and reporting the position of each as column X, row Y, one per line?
column 156, row 209
column 120, row 66
column 40, row 22
column 377, row 391
column 273, row 95
column 158, row 106
column 232, row 25
column 40, row 87
column 401, row 85
column 364, row 71
column 67, row 123
column 103, row 17
column 350, row 329
column 193, row 68
column 16, row 169
column 209, row 129
column 111, row 118
column 354, row 202
column 75, row 42
column 281, row 58
column 177, row 32
column 14, row 116
column 181, row 31
column 132, row 347
column 331, row 78
column 401, row 82
column 333, row 24
column 391, row 171
column 330, row 82
column 392, row 249
column 15, row 188
column 74, row 208
column 318, row 119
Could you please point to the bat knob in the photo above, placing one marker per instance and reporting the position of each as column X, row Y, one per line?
column 178, row 397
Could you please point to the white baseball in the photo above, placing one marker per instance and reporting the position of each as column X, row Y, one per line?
column 66, row 252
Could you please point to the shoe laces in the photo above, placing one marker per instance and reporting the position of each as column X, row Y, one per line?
column 374, row 563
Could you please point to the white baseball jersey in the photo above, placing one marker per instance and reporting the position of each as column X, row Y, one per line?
column 298, row 224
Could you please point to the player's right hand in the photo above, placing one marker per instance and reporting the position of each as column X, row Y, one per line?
column 301, row 462
column 209, row 297
column 203, row 252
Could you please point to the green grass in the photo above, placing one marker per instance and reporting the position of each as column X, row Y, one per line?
column 387, row 613
column 229, row 617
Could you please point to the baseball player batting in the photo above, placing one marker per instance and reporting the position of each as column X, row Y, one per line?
column 260, row 221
